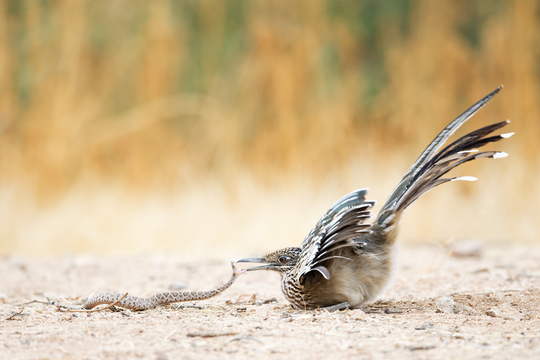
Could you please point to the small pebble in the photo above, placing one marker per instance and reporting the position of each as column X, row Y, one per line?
column 160, row 355
column 424, row 326
column 506, row 313
column 469, row 248
column 357, row 314
column 18, row 262
column 447, row 305
column 177, row 286
column 246, row 298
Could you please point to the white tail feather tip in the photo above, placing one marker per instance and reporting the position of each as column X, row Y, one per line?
column 465, row 178
column 500, row 155
column 507, row 135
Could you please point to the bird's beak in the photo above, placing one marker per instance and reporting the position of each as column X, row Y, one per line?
column 258, row 261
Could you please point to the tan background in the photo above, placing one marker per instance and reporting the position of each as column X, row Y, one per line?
column 218, row 129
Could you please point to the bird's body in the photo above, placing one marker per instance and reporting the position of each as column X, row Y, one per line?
column 347, row 262
column 359, row 281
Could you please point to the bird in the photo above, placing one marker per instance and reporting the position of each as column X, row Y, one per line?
column 347, row 260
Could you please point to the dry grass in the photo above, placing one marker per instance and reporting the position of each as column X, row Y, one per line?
column 188, row 126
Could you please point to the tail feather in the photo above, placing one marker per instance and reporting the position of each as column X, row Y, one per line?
column 426, row 172
column 467, row 142
column 433, row 178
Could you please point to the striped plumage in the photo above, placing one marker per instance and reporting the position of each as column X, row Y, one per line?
column 345, row 261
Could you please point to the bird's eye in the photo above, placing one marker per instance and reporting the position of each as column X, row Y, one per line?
column 282, row 259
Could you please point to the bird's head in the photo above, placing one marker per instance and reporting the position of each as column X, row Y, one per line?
column 282, row 260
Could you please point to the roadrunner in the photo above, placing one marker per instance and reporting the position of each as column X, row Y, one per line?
column 347, row 262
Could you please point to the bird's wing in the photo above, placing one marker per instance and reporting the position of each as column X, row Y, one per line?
column 336, row 229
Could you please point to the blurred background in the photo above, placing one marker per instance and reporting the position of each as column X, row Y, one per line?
column 217, row 129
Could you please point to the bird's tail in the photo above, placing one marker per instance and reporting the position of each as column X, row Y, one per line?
column 426, row 173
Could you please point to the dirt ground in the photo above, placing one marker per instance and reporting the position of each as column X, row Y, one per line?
column 480, row 304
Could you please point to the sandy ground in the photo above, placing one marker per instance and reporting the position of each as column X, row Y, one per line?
column 494, row 314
